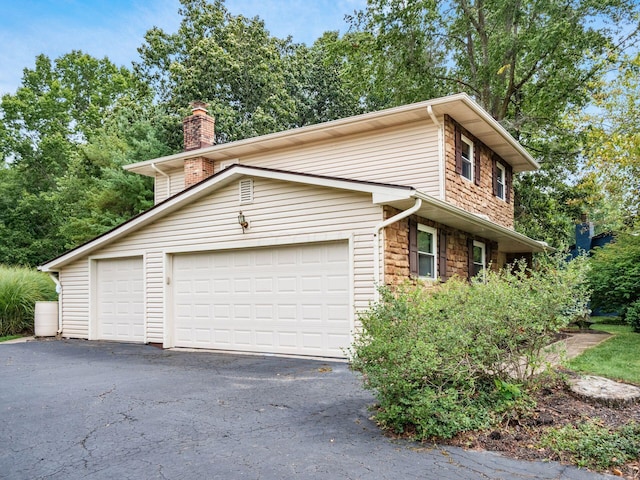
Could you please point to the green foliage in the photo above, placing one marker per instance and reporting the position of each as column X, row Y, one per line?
column 528, row 63
column 60, row 107
column 592, row 445
column 20, row 289
column 446, row 360
column 633, row 315
column 253, row 82
column 616, row 358
column 615, row 275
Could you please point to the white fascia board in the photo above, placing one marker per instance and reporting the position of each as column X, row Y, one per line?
column 223, row 178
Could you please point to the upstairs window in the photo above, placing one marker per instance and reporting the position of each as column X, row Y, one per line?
column 467, row 156
column 466, row 152
column 501, row 184
column 502, row 175
column 427, row 252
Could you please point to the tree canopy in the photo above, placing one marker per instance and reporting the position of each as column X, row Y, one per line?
column 540, row 67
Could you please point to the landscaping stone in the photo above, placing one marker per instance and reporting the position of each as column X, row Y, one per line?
column 602, row 390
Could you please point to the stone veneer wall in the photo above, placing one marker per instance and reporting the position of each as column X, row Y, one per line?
column 467, row 195
column 396, row 249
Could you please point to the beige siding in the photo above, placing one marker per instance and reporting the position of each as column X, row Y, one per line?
column 75, row 299
column 403, row 156
column 176, row 177
column 406, row 155
column 280, row 213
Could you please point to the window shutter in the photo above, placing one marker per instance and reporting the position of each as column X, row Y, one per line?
column 494, row 168
column 487, row 254
column 442, row 254
column 476, row 161
column 508, row 173
column 413, row 248
column 458, row 143
column 470, row 258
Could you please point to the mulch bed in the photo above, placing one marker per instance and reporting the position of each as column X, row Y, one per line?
column 556, row 407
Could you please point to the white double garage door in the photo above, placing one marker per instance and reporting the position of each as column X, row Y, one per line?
column 287, row 299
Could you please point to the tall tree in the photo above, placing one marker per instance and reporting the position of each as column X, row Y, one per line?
column 55, row 111
column 527, row 62
column 612, row 148
column 253, row 82
column 229, row 61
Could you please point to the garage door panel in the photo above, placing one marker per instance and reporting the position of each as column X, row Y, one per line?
column 283, row 300
column 120, row 299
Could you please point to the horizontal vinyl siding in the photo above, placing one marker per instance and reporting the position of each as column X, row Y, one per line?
column 406, row 155
column 176, row 178
column 75, row 299
column 280, row 213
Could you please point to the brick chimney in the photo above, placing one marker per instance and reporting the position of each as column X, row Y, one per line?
column 199, row 132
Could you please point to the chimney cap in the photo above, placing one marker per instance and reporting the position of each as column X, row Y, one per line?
column 198, row 106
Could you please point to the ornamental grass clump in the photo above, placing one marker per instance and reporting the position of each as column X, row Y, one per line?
column 20, row 289
column 459, row 357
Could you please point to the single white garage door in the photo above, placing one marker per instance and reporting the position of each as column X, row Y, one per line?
column 120, row 299
column 290, row 299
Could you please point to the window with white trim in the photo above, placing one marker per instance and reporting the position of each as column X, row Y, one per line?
column 479, row 257
column 467, row 157
column 427, row 251
column 501, row 176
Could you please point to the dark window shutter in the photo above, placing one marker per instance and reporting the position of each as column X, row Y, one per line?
column 470, row 259
column 508, row 173
column 494, row 168
column 487, row 254
column 413, row 248
column 442, row 255
column 458, row 140
column 476, row 161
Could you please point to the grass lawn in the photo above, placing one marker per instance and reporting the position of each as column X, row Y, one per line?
column 616, row 358
column 9, row 337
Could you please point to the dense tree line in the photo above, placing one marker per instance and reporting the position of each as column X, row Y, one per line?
column 535, row 65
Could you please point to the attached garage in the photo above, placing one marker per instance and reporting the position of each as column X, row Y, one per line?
column 119, row 301
column 287, row 299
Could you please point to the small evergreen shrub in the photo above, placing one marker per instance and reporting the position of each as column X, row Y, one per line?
column 458, row 357
column 20, row 289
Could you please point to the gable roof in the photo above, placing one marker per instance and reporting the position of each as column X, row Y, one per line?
column 381, row 192
column 399, row 196
column 461, row 107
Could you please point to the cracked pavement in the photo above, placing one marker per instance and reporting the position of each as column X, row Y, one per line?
column 72, row 409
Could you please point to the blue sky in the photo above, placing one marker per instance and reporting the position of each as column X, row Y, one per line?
column 115, row 28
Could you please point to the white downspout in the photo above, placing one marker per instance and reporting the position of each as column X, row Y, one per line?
column 153, row 165
column 56, row 280
column 376, row 241
column 441, row 161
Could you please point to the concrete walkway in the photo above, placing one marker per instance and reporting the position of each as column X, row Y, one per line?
column 574, row 345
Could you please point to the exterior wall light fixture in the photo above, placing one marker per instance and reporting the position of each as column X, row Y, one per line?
column 242, row 221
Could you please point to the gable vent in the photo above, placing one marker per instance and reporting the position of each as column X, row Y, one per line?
column 246, row 190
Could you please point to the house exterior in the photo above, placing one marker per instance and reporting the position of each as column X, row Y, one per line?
column 274, row 244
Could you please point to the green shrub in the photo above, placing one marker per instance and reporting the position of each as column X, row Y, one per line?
column 450, row 359
column 594, row 446
column 20, row 289
column 615, row 275
column 632, row 315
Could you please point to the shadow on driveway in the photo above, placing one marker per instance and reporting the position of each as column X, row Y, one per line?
column 72, row 409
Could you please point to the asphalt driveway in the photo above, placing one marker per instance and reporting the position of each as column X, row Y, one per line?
column 73, row 409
